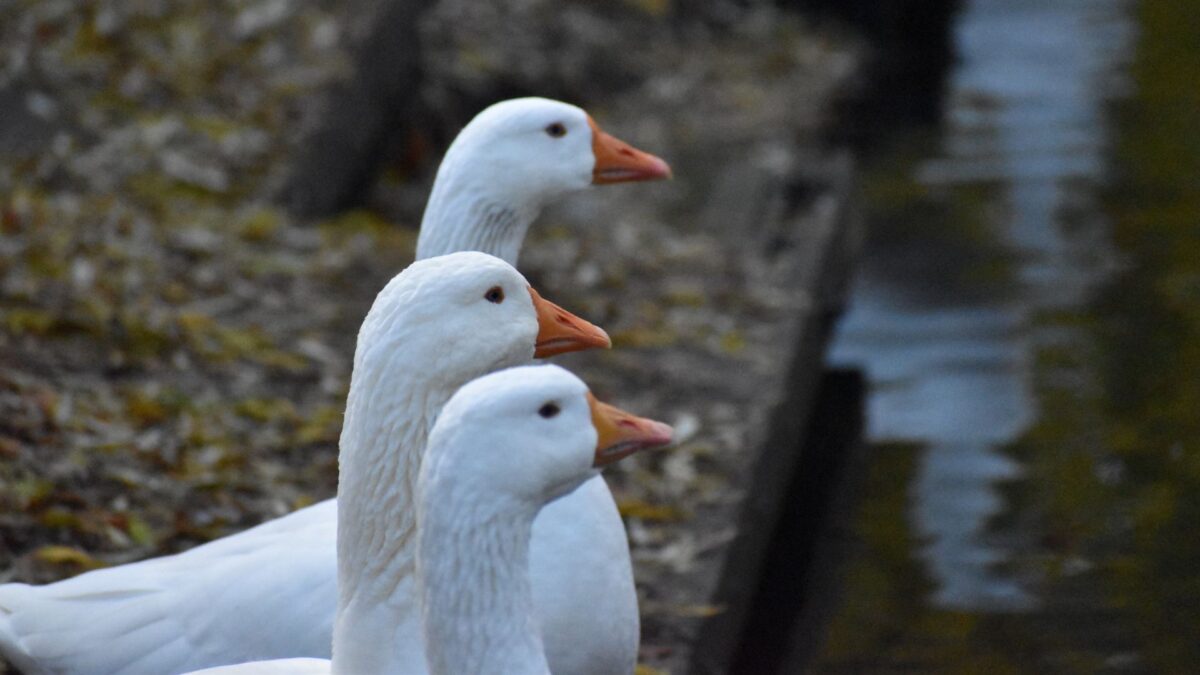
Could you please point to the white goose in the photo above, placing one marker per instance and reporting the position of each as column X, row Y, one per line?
column 271, row 591
column 503, row 447
column 505, row 165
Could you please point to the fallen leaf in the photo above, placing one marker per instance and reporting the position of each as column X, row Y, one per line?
column 637, row 508
column 67, row 555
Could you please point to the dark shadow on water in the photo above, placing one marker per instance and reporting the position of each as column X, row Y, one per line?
column 904, row 80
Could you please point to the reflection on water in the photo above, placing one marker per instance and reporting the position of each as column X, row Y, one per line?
column 952, row 378
column 1030, row 320
column 1024, row 126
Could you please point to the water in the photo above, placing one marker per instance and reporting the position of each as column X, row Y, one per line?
column 1024, row 120
column 1029, row 275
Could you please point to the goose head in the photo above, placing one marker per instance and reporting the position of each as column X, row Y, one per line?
column 533, row 433
column 509, row 162
column 544, row 148
column 449, row 319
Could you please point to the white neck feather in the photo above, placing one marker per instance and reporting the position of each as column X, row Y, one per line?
column 383, row 438
column 466, row 212
column 473, row 569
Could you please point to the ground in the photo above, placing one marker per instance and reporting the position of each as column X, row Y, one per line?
column 175, row 347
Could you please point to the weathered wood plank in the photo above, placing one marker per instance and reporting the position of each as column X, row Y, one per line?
column 824, row 268
column 801, row 577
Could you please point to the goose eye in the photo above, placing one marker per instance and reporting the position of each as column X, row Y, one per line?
column 495, row 295
column 549, row 410
column 556, row 130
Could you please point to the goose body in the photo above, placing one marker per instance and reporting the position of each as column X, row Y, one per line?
column 165, row 615
column 503, row 447
column 153, row 612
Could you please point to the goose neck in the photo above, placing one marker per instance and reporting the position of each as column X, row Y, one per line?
column 466, row 214
column 383, row 438
column 473, row 583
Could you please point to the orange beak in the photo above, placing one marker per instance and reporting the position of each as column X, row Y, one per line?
column 619, row 162
column 560, row 331
column 621, row 434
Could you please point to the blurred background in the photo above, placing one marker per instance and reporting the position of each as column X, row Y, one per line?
column 199, row 201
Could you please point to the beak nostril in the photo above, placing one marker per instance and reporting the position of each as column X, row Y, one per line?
column 627, row 152
column 628, row 424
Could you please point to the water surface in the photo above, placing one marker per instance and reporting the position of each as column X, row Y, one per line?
column 1029, row 317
